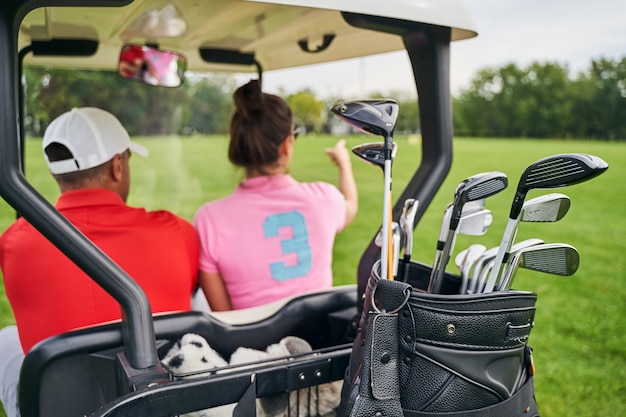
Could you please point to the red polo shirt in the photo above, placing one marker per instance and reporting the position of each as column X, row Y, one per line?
column 50, row 295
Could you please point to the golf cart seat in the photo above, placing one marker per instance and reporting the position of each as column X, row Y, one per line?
column 74, row 373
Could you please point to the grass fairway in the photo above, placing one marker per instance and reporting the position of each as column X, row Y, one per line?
column 578, row 339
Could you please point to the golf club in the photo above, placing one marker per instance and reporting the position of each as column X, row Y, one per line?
column 396, row 240
column 482, row 280
column 474, row 223
column 553, row 258
column 470, row 207
column 476, row 187
column 546, row 208
column 376, row 116
column 407, row 223
column 373, row 153
column 550, row 172
column 476, row 269
column 464, row 260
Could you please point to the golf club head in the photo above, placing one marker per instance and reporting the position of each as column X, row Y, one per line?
column 553, row 258
column 374, row 152
column 473, row 253
column 395, row 229
column 409, row 210
column 533, row 241
column 376, row 116
column 475, row 223
column 477, row 269
column 491, row 284
column 546, row 208
column 476, row 187
column 407, row 222
column 483, row 273
column 465, row 263
column 475, row 205
column 448, row 232
column 468, row 209
column 556, row 171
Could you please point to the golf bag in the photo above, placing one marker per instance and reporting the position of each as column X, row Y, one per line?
column 422, row 355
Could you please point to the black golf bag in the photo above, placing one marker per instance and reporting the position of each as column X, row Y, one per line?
column 422, row 355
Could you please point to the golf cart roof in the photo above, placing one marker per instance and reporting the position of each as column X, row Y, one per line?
column 276, row 34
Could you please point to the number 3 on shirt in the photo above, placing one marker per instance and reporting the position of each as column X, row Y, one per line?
column 298, row 244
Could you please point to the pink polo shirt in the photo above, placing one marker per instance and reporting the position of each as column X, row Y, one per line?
column 272, row 238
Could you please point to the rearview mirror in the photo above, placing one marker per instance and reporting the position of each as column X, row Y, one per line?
column 150, row 65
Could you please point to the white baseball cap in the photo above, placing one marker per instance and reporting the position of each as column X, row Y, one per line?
column 92, row 135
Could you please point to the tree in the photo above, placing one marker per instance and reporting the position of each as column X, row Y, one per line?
column 599, row 105
column 308, row 111
column 142, row 109
column 542, row 101
column 203, row 104
column 209, row 105
column 509, row 101
column 408, row 114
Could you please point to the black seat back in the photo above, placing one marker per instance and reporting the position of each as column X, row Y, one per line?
column 74, row 373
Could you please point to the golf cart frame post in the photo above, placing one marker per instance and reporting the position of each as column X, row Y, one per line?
column 428, row 47
column 136, row 312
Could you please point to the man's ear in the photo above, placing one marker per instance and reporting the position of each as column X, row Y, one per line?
column 117, row 168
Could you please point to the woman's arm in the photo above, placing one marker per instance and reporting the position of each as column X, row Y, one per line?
column 347, row 185
column 215, row 291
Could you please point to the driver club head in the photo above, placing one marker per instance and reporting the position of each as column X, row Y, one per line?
column 554, row 172
column 376, row 116
column 374, row 152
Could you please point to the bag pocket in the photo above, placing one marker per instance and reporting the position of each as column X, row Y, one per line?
column 463, row 352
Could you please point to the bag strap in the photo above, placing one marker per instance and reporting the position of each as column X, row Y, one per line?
column 390, row 296
column 379, row 375
column 522, row 403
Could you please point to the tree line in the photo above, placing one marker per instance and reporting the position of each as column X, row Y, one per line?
column 538, row 101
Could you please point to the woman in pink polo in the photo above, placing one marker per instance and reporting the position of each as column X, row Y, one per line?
column 273, row 237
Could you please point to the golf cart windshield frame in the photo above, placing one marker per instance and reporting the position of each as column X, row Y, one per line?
column 428, row 48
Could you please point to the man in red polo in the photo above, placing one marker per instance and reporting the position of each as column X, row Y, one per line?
column 88, row 151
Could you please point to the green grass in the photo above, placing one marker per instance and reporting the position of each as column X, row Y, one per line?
column 579, row 342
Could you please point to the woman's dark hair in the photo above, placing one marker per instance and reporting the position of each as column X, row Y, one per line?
column 261, row 122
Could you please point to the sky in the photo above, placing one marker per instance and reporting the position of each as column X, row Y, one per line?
column 569, row 32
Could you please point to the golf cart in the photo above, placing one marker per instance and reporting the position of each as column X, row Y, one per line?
column 115, row 369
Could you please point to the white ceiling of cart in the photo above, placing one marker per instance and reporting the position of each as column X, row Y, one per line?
column 269, row 30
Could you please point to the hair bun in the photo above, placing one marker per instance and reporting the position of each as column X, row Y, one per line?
column 249, row 98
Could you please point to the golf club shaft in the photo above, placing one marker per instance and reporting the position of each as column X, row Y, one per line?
column 386, row 250
column 505, row 245
column 443, row 232
column 434, row 286
column 408, row 215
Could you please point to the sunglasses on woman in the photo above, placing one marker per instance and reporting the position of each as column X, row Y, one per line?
column 295, row 132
